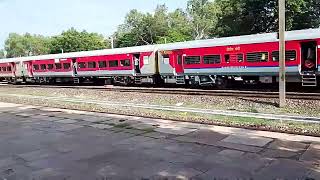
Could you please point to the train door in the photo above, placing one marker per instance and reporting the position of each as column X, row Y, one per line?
column 20, row 69
column 178, row 64
column 136, row 60
column 309, row 56
column 75, row 66
column 28, row 68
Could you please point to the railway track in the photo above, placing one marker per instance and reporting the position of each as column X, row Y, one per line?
column 182, row 91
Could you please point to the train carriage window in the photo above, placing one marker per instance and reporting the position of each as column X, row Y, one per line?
column 58, row 66
column 125, row 62
column 212, row 59
column 43, row 67
column 113, row 63
column 102, row 64
column 4, row 69
column 275, row 55
column 240, row 57
column 82, row 65
column 227, row 58
column 0, row 69
column 92, row 64
column 9, row 68
column 36, row 67
column 166, row 59
column 290, row 55
column 179, row 59
column 50, row 66
column 145, row 60
column 192, row 60
column 66, row 65
column 257, row 57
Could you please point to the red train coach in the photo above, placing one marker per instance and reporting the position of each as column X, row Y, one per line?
column 52, row 70
column 220, row 61
column 123, row 65
column 252, row 58
column 6, row 70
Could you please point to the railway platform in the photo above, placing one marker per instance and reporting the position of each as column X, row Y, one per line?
column 49, row 143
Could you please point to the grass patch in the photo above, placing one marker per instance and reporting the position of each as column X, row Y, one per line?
column 148, row 130
column 124, row 125
column 253, row 110
column 247, row 122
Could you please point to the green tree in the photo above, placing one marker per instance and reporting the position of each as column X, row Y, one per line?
column 125, row 39
column 73, row 41
column 143, row 29
column 131, row 32
column 309, row 15
column 160, row 27
column 2, row 54
column 239, row 17
column 230, row 22
column 179, row 28
column 26, row 45
column 203, row 17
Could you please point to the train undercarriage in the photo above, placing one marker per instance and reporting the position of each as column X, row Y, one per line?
column 192, row 81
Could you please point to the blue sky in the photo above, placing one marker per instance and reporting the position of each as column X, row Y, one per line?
column 51, row 17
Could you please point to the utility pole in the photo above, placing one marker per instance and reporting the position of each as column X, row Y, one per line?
column 112, row 42
column 282, row 53
column 5, row 53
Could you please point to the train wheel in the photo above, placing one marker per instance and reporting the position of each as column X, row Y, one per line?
column 24, row 79
column 14, row 81
column 221, row 83
column 52, row 81
column 158, row 81
column 108, row 82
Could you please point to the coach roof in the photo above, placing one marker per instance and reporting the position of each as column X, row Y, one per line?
column 246, row 39
column 127, row 50
column 235, row 40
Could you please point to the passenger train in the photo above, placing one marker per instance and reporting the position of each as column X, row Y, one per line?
column 219, row 62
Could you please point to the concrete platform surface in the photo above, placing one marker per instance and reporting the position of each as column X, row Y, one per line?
column 47, row 143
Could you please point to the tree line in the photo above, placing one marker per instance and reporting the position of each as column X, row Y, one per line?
column 71, row 40
column 201, row 19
